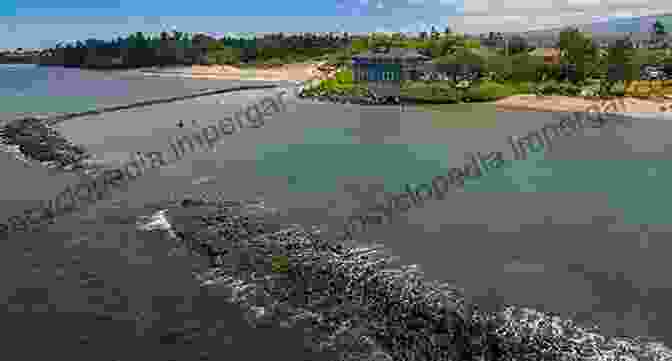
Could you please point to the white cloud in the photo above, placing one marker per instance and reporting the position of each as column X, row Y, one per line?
column 476, row 6
column 546, row 13
column 621, row 14
column 599, row 18
column 380, row 5
column 582, row 3
column 482, row 16
column 364, row 2
column 631, row 3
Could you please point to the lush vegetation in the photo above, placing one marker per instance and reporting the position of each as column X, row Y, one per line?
column 489, row 74
column 583, row 69
column 139, row 49
column 274, row 50
column 135, row 50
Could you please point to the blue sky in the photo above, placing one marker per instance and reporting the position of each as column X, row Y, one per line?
column 41, row 23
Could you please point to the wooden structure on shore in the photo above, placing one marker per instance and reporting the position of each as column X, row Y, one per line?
column 383, row 69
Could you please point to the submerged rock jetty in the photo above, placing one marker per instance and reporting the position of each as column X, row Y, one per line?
column 356, row 299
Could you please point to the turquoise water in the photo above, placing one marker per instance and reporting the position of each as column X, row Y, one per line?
column 635, row 186
column 46, row 104
column 27, row 88
column 397, row 164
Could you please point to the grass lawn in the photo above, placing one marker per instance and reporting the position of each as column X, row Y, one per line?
column 463, row 115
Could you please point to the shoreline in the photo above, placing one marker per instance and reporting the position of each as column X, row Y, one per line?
column 53, row 120
column 300, row 72
column 558, row 103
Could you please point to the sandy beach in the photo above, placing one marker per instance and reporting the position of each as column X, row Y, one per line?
column 288, row 72
column 556, row 103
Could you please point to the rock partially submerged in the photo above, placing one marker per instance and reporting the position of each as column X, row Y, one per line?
column 354, row 299
column 347, row 297
column 32, row 140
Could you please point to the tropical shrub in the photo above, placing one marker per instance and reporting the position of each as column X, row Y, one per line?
column 618, row 89
column 435, row 92
column 501, row 66
column 224, row 55
column 558, row 88
column 472, row 44
column 275, row 62
column 489, row 91
column 549, row 72
column 517, row 45
column 526, row 68
column 344, row 76
column 333, row 86
column 525, row 87
column 462, row 56
column 591, row 90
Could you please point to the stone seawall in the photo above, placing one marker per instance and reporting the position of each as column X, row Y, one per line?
column 52, row 120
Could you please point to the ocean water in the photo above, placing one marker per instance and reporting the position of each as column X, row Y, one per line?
column 28, row 89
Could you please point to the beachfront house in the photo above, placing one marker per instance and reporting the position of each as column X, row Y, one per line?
column 384, row 68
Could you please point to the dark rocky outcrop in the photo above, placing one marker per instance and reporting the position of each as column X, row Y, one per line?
column 357, row 301
column 34, row 140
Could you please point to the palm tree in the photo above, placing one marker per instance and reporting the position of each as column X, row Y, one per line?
column 658, row 28
column 435, row 34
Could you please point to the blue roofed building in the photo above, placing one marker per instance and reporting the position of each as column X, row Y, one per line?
column 383, row 69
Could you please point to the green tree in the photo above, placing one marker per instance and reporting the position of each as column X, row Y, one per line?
column 472, row 44
column 447, row 45
column 526, row 68
column 459, row 64
column 140, row 41
column 659, row 28
column 225, row 56
column 621, row 65
column 379, row 39
column 578, row 49
column 435, row 34
column 517, row 45
column 397, row 37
